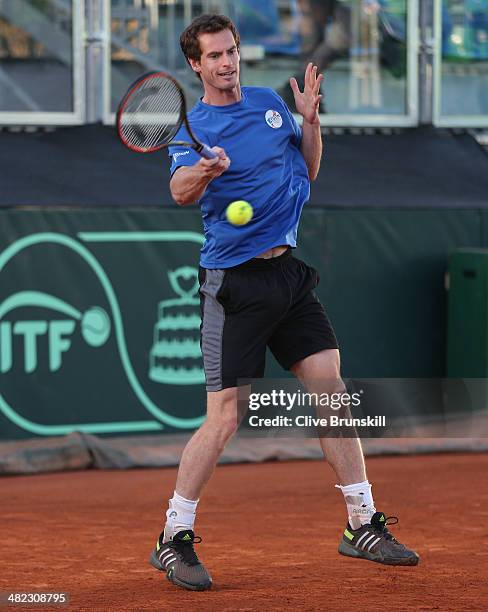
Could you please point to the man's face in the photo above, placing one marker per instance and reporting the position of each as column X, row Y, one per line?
column 219, row 63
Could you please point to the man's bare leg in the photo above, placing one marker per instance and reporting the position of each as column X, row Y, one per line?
column 199, row 459
column 174, row 551
column 320, row 373
column 366, row 536
column 203, row 450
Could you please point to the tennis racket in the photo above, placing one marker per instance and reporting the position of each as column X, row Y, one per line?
column 151, row 113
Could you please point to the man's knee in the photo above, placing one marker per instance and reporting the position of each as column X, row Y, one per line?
column 324, row 366
column 222, row 413
column 333, row 367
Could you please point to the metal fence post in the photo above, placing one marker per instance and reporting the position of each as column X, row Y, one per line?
column 426, row 55
column 96, row 40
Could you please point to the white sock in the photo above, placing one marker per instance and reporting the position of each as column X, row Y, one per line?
column 179, row 516
column 359, row 502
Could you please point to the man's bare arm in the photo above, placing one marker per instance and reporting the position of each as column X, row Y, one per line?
column 188, row 183
column 307, row 104
column 311, row 147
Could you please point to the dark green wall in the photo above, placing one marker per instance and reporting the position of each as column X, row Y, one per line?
column 382, row 283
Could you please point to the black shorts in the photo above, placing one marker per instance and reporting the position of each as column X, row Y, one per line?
column 260, row 303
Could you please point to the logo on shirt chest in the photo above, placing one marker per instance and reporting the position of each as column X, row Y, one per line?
column 273, row 119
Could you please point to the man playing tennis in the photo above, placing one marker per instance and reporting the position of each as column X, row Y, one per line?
column 254, row 293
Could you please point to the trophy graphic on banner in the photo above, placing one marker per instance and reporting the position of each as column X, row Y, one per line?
column 175, row 357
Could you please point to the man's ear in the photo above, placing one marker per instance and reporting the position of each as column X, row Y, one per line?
column 195, row 65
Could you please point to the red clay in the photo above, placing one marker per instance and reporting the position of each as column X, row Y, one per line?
column 270, row 535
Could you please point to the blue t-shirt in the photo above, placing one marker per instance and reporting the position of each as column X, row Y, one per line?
column 267, row 169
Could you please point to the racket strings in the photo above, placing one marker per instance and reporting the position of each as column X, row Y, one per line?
column 151, row 116
column 154, row 101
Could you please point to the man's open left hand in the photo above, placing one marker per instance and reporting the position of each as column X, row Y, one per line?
column 307, row 102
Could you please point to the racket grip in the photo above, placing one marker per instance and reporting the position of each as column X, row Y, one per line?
column 207, row 152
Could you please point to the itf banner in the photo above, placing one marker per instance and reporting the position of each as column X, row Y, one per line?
column 99, row 322
column 99, row 309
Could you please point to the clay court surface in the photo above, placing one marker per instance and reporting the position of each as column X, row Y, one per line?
column 270, row 534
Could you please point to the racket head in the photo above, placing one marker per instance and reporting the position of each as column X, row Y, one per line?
column 151, row 112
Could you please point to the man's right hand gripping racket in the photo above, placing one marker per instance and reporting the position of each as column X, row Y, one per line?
column 151, row 113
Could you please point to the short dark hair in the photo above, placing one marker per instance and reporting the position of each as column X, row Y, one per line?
column 205, row 24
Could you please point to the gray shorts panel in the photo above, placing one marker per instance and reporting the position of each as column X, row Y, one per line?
column 213, row 319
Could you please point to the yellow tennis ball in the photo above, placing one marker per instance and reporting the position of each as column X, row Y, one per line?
column 239, row 212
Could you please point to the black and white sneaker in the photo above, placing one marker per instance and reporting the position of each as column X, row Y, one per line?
column 375, row 543
column 180, row 562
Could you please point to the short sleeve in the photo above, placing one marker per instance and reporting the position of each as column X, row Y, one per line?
column 182, row 156
column 297, row 130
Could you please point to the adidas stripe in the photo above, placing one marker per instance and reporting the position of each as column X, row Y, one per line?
column 367, row 541
column 167, row 556
column 373, row 543
column 365, row 534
